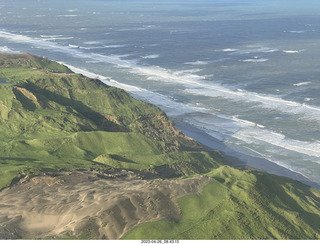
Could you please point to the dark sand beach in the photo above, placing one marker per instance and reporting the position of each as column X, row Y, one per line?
column 237, row 159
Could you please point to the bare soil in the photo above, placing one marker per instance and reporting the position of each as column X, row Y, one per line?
column 78, row 202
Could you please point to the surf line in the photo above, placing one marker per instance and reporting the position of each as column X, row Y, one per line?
column 192, row 82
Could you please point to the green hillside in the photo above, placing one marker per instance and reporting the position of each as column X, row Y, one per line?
column 53, row 119
column 239, row 204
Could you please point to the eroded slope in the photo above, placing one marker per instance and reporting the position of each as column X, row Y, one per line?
column 85, row 205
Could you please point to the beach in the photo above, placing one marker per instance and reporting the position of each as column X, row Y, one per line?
column 238, row 160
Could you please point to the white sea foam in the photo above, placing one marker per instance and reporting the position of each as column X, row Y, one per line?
column 256, row 138
column 292, row 51
column 193, row 83
column 297, row 31
column 115, row 46
column 308, row 99
column 250, row 50
column 152, row 56
column 255, row 60
column 261, row 137
column 58, row 38
column 230, row 50
column 302, row 83
column 51, row 36
column 146, row 27
column 55, row 37
column 29, row 31
column 213, row 125
column 198, row 62
column 92, row 43
column 73, row 46
column 187, row 71
column 67, row 15
column 92, row 62
column 5, row 49
column 72, row 10
column 266, row 101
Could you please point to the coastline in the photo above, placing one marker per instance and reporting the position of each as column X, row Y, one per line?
column 85, row 164
column 237, row 159
column 234, row 158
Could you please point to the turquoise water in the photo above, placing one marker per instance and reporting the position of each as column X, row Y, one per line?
column 245, row 73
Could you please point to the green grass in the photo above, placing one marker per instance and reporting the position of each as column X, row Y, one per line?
column 53, row 119
column 30, row 61
column 123, row 150
column 242, row 205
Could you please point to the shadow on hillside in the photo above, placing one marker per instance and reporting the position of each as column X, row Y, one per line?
column 26, row 103
column 101, row 121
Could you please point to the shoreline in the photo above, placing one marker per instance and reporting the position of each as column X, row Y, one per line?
column 234, row 158
column 237, row 159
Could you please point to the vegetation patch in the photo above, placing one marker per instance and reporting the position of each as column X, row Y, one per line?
column 239, row 204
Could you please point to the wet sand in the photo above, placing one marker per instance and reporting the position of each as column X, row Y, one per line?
column 237, row 159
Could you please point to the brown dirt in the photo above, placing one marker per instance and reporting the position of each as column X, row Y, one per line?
column 78, row 202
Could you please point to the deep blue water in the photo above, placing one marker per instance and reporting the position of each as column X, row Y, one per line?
column 245, row 72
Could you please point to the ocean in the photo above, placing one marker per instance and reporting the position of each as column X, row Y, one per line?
column 241, row 76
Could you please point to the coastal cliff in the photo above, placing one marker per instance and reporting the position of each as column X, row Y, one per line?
column 83, row 160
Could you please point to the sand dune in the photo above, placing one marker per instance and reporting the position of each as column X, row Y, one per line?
column 81, row 202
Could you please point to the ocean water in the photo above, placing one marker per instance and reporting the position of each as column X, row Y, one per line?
column 243, row 72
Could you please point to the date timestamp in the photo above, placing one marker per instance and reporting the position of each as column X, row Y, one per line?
column 160, row 241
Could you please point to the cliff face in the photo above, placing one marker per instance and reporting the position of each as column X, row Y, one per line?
column 87, row 161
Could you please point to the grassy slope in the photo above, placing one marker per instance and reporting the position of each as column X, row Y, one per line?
column 242, row 205
column 53, row 119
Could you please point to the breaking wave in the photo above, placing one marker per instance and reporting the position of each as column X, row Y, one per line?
column 193, row 83
column 223, row 127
